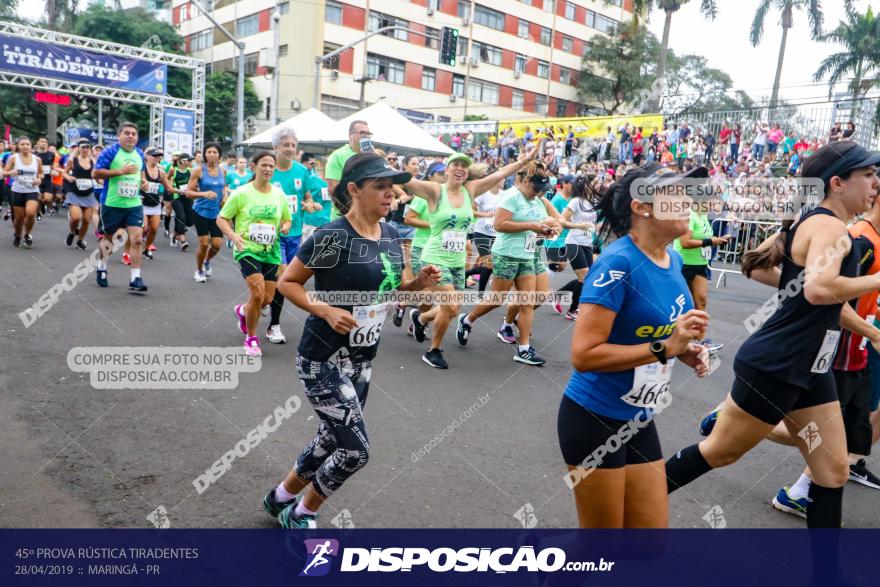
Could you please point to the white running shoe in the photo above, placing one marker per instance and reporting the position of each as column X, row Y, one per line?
column 199, row 277
column 275, row 335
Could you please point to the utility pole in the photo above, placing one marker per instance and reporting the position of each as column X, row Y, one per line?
column 276, row 72
column 470, row 44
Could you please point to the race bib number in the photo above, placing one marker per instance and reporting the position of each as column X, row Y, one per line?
column 864, row 343
column 84, row 184
column 47, row 170
column 826, row 352
column 298, row 184
column 25, row 181
column 369, row 325
column 128, row 188
column 706, row 253
column 152, row 187
column 325, row 194
column 454, row 241
column 292, row 204
column 262, row 234
column 531, row 242
column 97, row 184
column 650, row 384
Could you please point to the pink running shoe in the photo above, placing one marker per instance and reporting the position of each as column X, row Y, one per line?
column 252, row 346
column 239, row 315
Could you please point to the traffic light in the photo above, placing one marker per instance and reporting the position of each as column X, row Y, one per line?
column 448, row 45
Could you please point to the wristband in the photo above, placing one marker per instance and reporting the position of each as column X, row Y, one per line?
column 707, row 242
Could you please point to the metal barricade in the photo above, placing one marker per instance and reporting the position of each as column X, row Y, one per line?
column 745, row 235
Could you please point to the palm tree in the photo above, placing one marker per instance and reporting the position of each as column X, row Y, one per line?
column 787, row 8
column 642, row 9
column 860, row 37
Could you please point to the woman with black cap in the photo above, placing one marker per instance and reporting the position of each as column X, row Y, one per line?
column 783, row 370
column 356, row 253
column 637, row 317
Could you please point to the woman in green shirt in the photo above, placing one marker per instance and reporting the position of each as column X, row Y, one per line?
column 451, row 211
column 260, row 213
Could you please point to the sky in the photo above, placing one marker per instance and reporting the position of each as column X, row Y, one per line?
column 725, row 44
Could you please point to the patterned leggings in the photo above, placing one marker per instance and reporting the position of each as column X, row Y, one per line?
column 337, row 390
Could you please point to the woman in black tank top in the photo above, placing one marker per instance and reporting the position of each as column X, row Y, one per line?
column 79, row 194
column 782, row 372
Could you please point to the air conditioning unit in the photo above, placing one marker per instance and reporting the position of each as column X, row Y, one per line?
column 430, row 12
column 462, row 59
column 295, row 105
column 475, row 62
column 268, row 57
column 517, row 74
column 453, row 97
column 465, row 20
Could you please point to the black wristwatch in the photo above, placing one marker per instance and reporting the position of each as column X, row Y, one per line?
column 658, row 349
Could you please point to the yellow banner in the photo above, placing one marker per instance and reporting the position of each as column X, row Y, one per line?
column 592, row 127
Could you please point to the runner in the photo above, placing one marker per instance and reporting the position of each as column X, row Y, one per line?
column 47, row 191
column 580, row 217
column 314, row 220
column 238, row 176
column 359, row 139
column 181, row 205
column 295, row 181
column 555, row 248
column 520, row 218
column 154, row 187
column 168, row 197
column 25, row 169
column 450, row 212
column 339, row 343
column 484, row 233
column 207, row 186
column 695, row 248
column 120, row 167
column 638, row 320
column 260, row 213
column 81, row 200
column 782, row 370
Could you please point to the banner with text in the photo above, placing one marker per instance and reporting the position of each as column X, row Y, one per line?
column 178, row 133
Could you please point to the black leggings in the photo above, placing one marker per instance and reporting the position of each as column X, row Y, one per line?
column 183, row 214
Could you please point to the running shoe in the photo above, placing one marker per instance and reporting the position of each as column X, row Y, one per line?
column 860, row 474
column 418, row 327
column 274, row 335
column 152, row 248
column 137, row 285
column 28, row 241
column 80, row 244
column 148, row 254
column 557, row 307
column 167, row 233
column 101, row 277
column 126, row 259
column 399, row 311
column 98, row 234
column 199, row 276
column 434, row 357
column 273, row 507
column 571, row 315
column 16, row 241
column 506, row 334
column 239, row 315
column 39, row 217
column 708, row 423
column 470, row 282
column 184, row 246
column 252, row 346
column 529, row 357
column 206, row 268
column 785, row 503
column 463, row 330
column 712, row 347
column 289, row 520
column 7, row 216
column 69, row 240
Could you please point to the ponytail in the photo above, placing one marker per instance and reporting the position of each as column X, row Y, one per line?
column 769, row 254
column 341, row 198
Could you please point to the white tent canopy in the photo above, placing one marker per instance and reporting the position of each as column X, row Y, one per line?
column 393, row 131
column 311, row 126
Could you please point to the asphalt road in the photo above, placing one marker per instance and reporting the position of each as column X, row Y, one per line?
column 108, row 458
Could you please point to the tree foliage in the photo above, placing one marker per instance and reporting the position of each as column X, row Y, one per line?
column 220, row 101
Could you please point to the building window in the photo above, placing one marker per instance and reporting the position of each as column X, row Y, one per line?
column 464, row 9
column 567, row 44
column 550, row 5
column 333, row 63
column 545, row 36
column 462, row 46
column 333, row 13
column 488, row 17
column 458, row 85
column 569, row 10
column 519, row 63
column 488, row 53
column 541, row 104
column 429, row 79
column 543, row 69
column 202, row 40
column 379, row 21
column 481, row 91
column 282, row 51
column 434, row 5
column 615, row 2
column 561, row 107
column 605, row 24
column 284, row 8
column 249, row 25
column 518, row 101
column 522, row 29
column 385, row 69
column 564, row 76
column 432, row 41
column 590, row 21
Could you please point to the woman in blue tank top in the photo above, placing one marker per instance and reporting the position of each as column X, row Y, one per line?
column 637, row 318
column 207, row 187
column 782, row 372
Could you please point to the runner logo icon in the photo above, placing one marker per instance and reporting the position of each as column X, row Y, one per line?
column 321, row 553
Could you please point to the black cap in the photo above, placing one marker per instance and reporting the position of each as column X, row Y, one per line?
column 856, row 157
column 372, row 166
column 541, row 183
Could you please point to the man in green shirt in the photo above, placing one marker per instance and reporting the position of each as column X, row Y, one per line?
column 121, row 207
column 359, row 139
